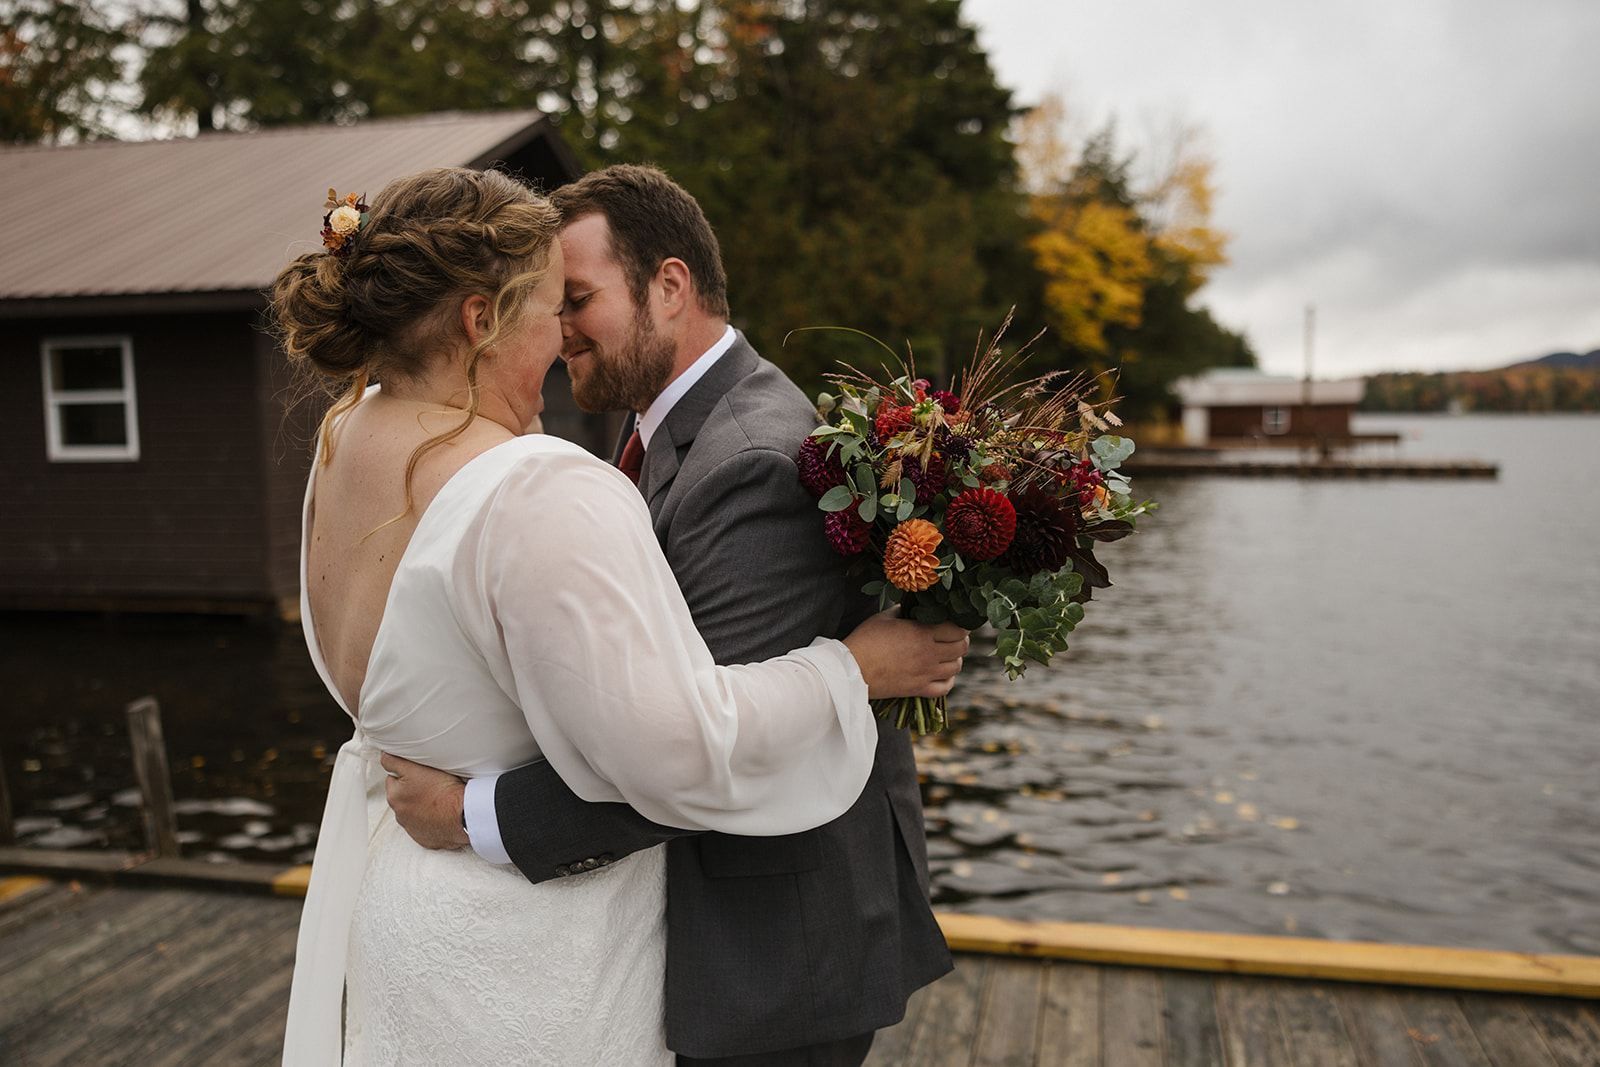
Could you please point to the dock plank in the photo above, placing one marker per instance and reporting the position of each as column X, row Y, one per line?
column 1505, row 1030
column 1008, row 1026
column 1571, row 1029
column 1069, row 1032
column 138, row 975
column 949, row 1023
column 1444, row 1037
column 1311, row 1019
column 1377, row 1028
column 1191, row 1015
column 1252, row 1030
column 1132, row 1033
column 98, row 940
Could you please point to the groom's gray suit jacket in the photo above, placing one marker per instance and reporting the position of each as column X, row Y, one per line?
column 773, row 942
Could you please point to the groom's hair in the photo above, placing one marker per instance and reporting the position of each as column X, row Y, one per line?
column 651, row 219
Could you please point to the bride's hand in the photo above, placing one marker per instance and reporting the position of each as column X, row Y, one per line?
column 426, row 802
column 900, row 658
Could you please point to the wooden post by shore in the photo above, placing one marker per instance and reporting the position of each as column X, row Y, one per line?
column 8, row 831
column 155, row 781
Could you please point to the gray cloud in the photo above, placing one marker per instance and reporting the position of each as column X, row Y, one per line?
column 1424, row 171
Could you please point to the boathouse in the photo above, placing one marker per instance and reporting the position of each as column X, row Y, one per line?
column 150, row 455
column 1243, row 406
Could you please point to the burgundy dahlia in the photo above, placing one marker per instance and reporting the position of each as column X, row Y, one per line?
column 929, row 482
column 1045, row 535
column 846, row 532
column 819, row 470
column 980, row 523
column 947, row 400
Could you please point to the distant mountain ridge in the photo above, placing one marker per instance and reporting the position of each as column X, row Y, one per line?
column 1587, row 360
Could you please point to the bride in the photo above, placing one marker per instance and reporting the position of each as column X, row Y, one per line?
column 477, row 598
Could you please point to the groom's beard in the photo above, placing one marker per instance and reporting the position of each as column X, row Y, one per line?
column 625, row 379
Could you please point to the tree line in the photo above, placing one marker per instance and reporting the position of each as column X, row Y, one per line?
column 857, row 157
column 1526, row 387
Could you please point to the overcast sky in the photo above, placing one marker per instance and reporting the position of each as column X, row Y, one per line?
column 1426, row 173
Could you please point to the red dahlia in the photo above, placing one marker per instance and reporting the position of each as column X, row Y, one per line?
column 980, row 523
column 846, row 532
column 949, row 401
column 1045, row 536
column 893, row 418
column 819, row 471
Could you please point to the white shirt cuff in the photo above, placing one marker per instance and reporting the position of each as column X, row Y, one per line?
column 483, row 825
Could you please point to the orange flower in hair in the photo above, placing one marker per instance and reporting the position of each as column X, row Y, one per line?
column 908, row 560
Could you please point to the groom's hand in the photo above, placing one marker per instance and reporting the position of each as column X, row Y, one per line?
column 426, row 803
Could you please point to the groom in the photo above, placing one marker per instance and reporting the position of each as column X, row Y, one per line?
column 780, row 950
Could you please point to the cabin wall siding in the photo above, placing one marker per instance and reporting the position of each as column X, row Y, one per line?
column 185, row 520
column 1245, row 420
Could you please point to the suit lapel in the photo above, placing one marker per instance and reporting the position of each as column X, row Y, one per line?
column 677, row 432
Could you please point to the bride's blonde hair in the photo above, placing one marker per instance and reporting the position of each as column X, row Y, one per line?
column 385, row 305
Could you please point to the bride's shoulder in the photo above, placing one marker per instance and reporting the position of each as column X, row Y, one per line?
column 540, row 462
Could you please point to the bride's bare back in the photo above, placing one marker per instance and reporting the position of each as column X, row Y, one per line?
column 354, row 547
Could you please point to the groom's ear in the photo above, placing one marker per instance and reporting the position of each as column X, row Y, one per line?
column 673, row 286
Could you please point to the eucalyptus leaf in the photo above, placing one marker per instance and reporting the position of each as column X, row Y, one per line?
column 837, row 499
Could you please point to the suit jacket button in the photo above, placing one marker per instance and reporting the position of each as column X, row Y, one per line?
column 590, row 864
column 561, row 871
column 605, row 858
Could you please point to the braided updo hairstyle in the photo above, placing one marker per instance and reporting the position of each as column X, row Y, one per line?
column 391, row 304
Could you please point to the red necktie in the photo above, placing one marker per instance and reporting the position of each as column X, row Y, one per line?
column 632, row 458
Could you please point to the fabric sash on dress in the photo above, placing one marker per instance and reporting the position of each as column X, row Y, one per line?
column 314, row 1036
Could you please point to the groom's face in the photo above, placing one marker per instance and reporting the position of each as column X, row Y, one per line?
column 615, row 357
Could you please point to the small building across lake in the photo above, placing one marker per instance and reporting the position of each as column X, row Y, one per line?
column 150, row 455
column 1242, row 406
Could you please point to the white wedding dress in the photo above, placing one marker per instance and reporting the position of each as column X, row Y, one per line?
column 533, row 616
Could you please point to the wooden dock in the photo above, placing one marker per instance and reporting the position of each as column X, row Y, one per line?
column 93, row 972
column 1242, row 465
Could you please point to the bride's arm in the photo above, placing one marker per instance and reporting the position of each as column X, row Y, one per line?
column 596, row 645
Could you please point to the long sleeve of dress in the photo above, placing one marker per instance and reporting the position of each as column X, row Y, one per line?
column 579, row 618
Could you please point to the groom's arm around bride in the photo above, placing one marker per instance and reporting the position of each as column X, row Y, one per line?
column 776, row 945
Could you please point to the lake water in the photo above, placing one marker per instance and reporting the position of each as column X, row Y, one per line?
column 1345, row 709
column 1358, row 710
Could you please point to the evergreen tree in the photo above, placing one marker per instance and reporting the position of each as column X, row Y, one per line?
column 59, row 62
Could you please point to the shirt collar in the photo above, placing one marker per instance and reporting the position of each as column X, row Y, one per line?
column 650, row 420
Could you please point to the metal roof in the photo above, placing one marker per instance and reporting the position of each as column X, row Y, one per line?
column 1226, row 387
column 217, row 213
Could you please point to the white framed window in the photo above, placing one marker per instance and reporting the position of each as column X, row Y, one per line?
column 90, row 411
column 1274, row 420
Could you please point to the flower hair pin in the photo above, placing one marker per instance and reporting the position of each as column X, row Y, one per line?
column 344, row 220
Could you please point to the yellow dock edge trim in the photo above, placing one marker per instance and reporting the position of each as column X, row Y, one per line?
column 1351, row 961
column 19, row 885
column 292, row 882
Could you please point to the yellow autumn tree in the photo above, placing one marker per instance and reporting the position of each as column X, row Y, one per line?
column 1091, row 245
column 1121, row 258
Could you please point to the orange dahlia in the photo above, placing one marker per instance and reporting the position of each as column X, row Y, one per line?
column 909, row 561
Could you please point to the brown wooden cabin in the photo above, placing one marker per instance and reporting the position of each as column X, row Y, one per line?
column 1239, row 406
column 150, row 455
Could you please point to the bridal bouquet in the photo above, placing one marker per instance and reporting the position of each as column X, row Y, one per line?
column 982, row 505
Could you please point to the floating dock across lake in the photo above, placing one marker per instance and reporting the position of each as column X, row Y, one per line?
column 1248, row 463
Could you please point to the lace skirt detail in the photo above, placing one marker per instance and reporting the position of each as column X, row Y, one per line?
column 457, row 961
